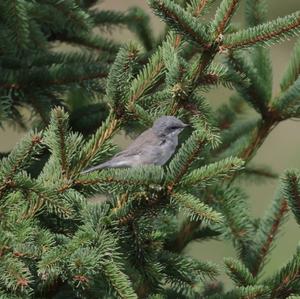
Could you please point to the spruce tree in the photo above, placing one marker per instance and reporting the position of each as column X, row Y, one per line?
column 55, row 242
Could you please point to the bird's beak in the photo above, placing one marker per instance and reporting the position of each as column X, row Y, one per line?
column 186, row 125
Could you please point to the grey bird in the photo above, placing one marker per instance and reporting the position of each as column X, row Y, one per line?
column 154, row 146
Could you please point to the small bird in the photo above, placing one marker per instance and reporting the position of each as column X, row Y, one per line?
column 154, row 146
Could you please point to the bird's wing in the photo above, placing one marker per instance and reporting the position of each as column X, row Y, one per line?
column 140, row 144
column 139, row 149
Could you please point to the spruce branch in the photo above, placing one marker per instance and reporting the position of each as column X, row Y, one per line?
column 137, row 176
column 199, row 7
column 236, row 132
column 292, row 71
column 188, row 153
column 16, row 17
column 55, row 138
column 231, row 202
column 185, row 157
column 248, row 83
column 197, row 209
column 291, row 191
column 288, row 103
column 17, row 276
column 140, row 25
column 256, row 12
column 180, row 265
column 208, row 174
column 121, row 71
column 148, row 76
column 238, row 272
column 119, row 281
column 216, row 74
column 43, row 198
column 71, row 11
column 262, row 61
column 249, row 292
column 265, row 34
column 190, row 230
column 266, row 233
column 127, row 245
column 284, row 282
column 135, row 19
column 19, row 159
column 90, row 42
column 98, row 142
column 181, row 21
column 223, row 15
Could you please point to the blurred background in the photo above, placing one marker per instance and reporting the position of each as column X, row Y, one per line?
column 280, row 151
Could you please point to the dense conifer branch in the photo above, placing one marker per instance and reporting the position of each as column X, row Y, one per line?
column 291, row 192
column 181, row 20
column 266, row 233
column 256, row 12
column 184, row 158
column 115, row 276
column 100, row 137
column 223, row 15
column 250, row 86
column 21, row 155
column 135, row 177
column 129, row 244
column 148, row 75
column 239, row 273
column 206, row 174
column 267, row 33
column 200, row 6
column 293, row 69
column 18, row 159
column 231, row 201
column 249, row 292
column 16, row 15
column 199, row 210
column 288, row 102
column 284, row 282
column 46, row 198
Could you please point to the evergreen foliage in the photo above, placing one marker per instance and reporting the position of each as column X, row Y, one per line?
column 58, row 237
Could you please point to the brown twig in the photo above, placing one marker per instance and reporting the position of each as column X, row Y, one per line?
column 184, row 235
column 64, row 163
column 199, row 8
column 263, row 37
column 271, row 235
column 222, row 25
column 258, row 137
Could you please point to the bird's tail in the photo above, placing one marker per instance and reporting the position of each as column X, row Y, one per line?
column 97, row 167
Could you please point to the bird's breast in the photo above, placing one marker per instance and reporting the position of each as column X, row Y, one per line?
column 167, row 149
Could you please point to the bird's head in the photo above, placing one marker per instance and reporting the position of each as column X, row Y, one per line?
column 168, row 126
